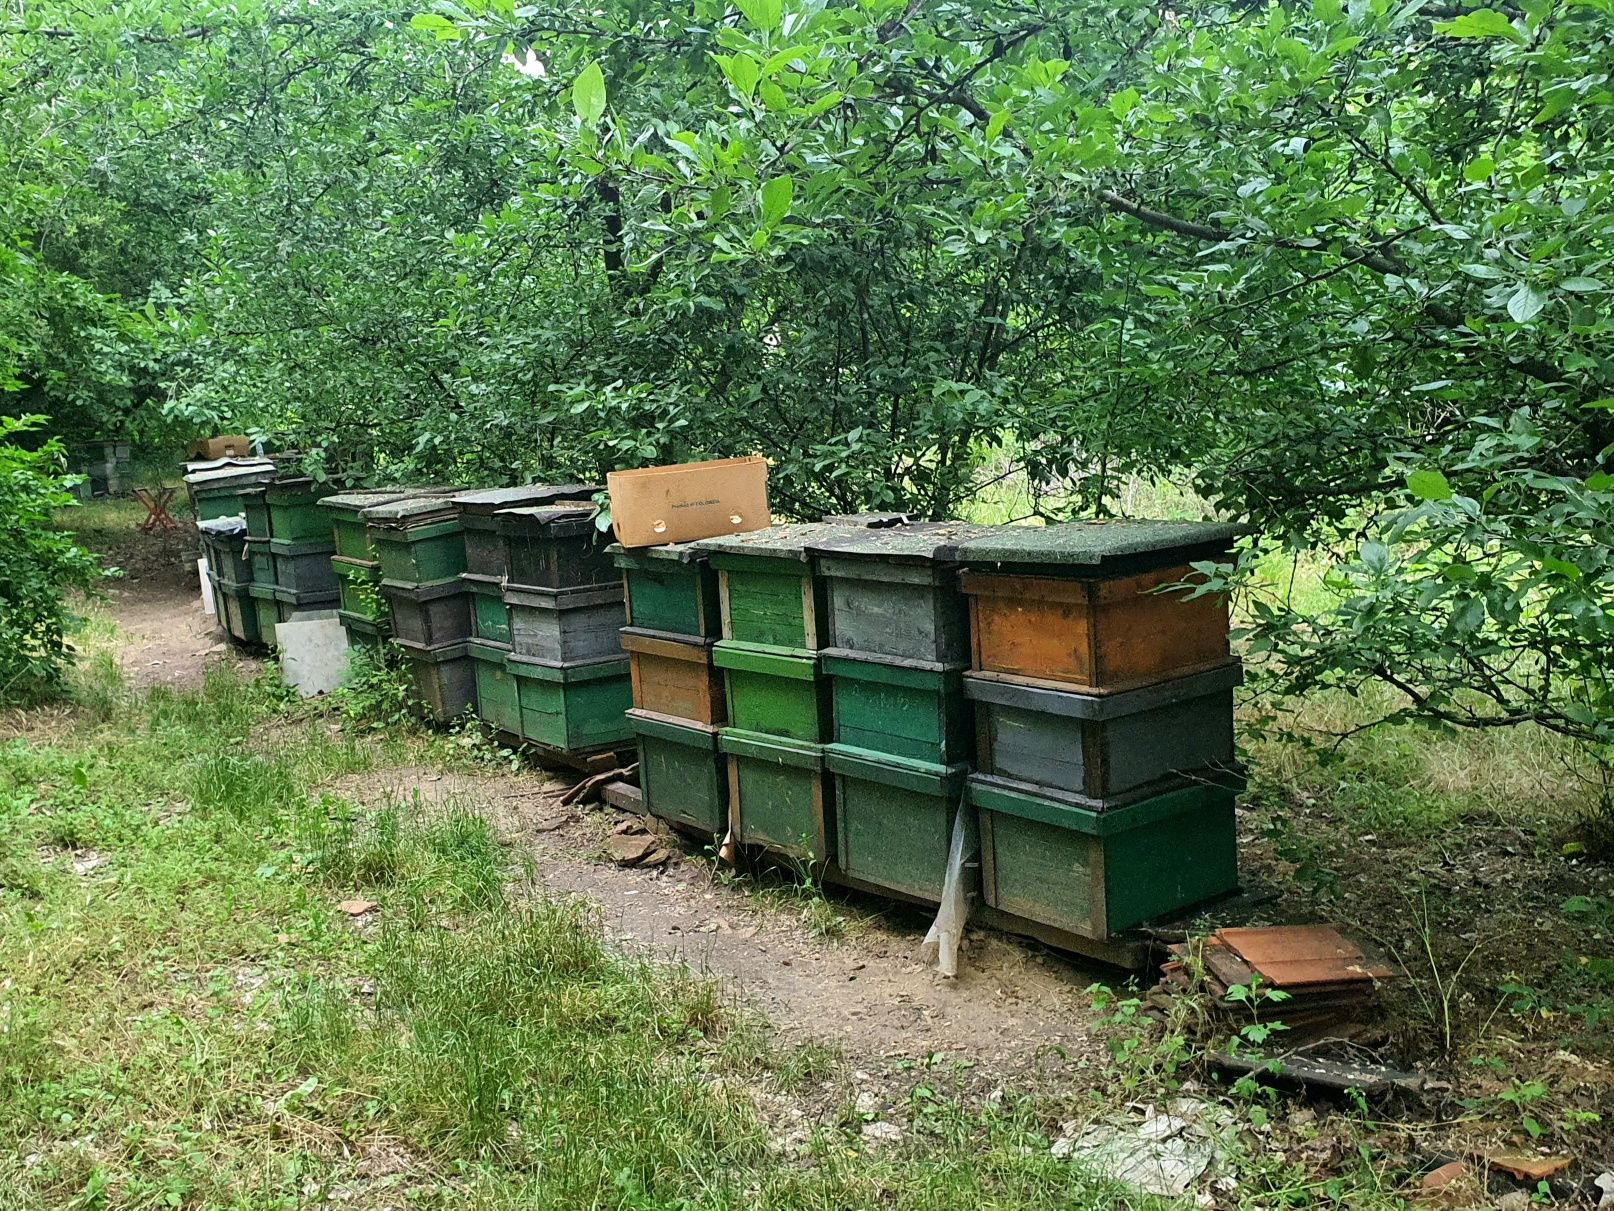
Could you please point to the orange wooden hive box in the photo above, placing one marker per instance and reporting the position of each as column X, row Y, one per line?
column 673, row 675
column 1080, row 604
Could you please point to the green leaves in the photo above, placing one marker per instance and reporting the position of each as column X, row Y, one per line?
column 741, row 71
column 777, row 196
column 588, row 94
column 435, row 23
column 764, row 14
column 1429, row 485
column 1526, row 302
column 1482, row 23
column 1479, row 169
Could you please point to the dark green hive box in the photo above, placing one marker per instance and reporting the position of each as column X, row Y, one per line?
column 304, row 567
column 894, row 592
column 682, row 773
column 361, row 632
column 1104, row 745
column 237, row 611
column 1097, row 549
column 294, row 512
column 490, row 618
column 766, row 585
column 894, row 819
column 417, row 541
column 780, row 797
column 484, row 545
column 776, row 691
column 217, row 491
column 430, row 616
column 256, row 509
column 554, row 547
column 497, row 702
column 265, row 614
column 260, row 560
column 1046, row 859
column 358, row 583
column 575, row 708
column 671, row 588
column 565, row 626
column 345, row 511
column 224, row 542
column 443, row 678
column 913, row 709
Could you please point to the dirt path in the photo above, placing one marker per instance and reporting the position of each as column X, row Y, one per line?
column 1012, row 1009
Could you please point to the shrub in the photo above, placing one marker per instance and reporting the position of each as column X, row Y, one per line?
column 38, row 563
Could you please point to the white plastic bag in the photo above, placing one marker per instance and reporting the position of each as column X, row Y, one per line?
column 940, row 947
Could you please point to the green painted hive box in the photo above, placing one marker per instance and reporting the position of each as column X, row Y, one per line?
column 780, row 797
column 274, row 605
column 497, row 702
column 573, row 708
column 216, row 491
column 260, row 560
column 443, row 678
column 894, row 820
column 913, row 709
column 774, row 691
column 358, row 584
column 361, row 632
column 682, row 773
column 550, row 547
column 1048, row 860
column 490, row 618
column 237, row 611
column 417, row 541
column 766, row 588
column 256, row 510
column 294, row 512
column 345, row 511
column 484, row 545
column 894, row 592
column 672, row 589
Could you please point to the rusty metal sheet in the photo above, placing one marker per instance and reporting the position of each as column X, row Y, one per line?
column 1302, row 955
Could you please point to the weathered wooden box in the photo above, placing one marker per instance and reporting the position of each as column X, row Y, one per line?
column 766, row 587
column 443, row 678
column 1102, row 745
column 294, row 512
column 304, row 567
column 362, row 632
column 218, row 491
column 345, row 511
column 682, row 773
column 429, row 617
column 256, row 511
column 497, row 702
column 894, row 592
column 418, row 541
column 780, row 798
column 1093, row 874
column 359, row 586
column 564, row 626
column 674, row 677
column 224, row 543
column 913, row 709
column 237, row 611
column 555, row 547
column 274, row 605
column 490, row 617
column 1081, row 603
column 774, row 691
column 260, row 561
column 894, row 819
column 670, row 589
column 484, row 545
column 573, row 708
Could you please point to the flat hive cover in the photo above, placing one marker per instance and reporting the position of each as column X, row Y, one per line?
column 672, row 552
column 368, row 498
column 787, row 541
column 919, row 542
column 1092, row 544
column 489, row 500
column 411, row 511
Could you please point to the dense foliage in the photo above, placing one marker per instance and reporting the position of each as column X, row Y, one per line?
column 1318, row 263
column 37, row 562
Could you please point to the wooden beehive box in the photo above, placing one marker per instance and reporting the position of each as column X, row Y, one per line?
column 1104, row 745
column 894, row 592
column 429, row 617
column 1047, row 860
column 484, row 545
column 1079, row 603
column 345, row 511
column 294, row 512
column 218, row 490
column 894, row 820
column 565, row 626
column 774, row 691
column 497, row 702
column 554, row 547
column 682, row 773
column 443, row 678
column 766, row 587
column 913, row 709
column 224, row 542
column 304, row 567
column 780, row 798
column 490, row 617
column 575, row 708
column 674, row 677
column 417, row 541
column 670, row 589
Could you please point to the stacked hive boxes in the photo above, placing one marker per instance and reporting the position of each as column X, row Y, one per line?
column 421, row 550
column 289, row 547
column 564, row 606
column 361, row 608
column 1104, row 716
column 774, row 625
column 485, row 576
column 898, row 642
column 217, row 495
column 678, row 704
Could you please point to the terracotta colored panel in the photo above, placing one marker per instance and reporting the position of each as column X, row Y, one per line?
column 677, row 687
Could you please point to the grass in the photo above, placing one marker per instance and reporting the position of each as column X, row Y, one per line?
column 189, row 1019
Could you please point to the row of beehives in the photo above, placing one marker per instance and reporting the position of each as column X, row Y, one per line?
column 831, row 693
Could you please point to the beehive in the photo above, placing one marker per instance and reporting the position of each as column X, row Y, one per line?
column 417, row 541
column 894, row 819
column 484, row 545
column 779, row 796
column 670, row 589
column 682, row 773
column 674, row 677
column 551, row 547
column 565, row 626
column 575, row 708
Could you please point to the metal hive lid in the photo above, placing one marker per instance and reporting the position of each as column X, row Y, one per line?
column 919, row 542
column 493, row 500
column 411, row 511
column 1092, row 546
column 782, row 542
